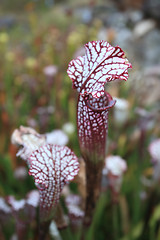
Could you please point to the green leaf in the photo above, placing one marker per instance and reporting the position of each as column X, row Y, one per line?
column 155, row 216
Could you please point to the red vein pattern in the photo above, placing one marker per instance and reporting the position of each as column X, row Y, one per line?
column 101, row 63
column 92, row 115
column 52, row 166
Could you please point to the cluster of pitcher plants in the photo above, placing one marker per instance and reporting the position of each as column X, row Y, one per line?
column 53, row 166
column 70, row 191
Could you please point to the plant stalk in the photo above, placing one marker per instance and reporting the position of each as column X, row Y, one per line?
column 93, row 188
column 43, row 229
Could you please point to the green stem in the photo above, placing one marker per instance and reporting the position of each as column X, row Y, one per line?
column 89, row 232
column 93, row 189
column 152, row 232
column 43, row 229
column 115, row 221
column 66, row 234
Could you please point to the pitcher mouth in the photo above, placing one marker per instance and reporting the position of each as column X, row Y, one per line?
column 105, row 102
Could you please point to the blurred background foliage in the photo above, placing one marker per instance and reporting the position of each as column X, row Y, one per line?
column 40, row 33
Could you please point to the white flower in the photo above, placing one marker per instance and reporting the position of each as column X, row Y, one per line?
column 121, row 110
column 50, row 70
column 28, row 139
column 16, row 204
column 20, row 173
column 114, row 168
column 54, row 231
column 154, row 150
column 4, row 207
column 33, row 198
column 115, row 165
column 57, row 137
column 68, row 128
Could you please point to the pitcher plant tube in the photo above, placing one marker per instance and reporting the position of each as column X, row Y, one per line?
column 52, row 166
column 101, row 64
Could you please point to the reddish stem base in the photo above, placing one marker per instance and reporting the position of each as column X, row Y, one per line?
column 93, row 189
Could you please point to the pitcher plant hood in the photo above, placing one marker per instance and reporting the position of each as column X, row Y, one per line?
column 52, row 166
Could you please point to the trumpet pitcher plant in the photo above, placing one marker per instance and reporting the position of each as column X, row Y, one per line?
column 52, row 166
column 101, row 64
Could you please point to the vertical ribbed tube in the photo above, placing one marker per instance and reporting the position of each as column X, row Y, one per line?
column 92, row 124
